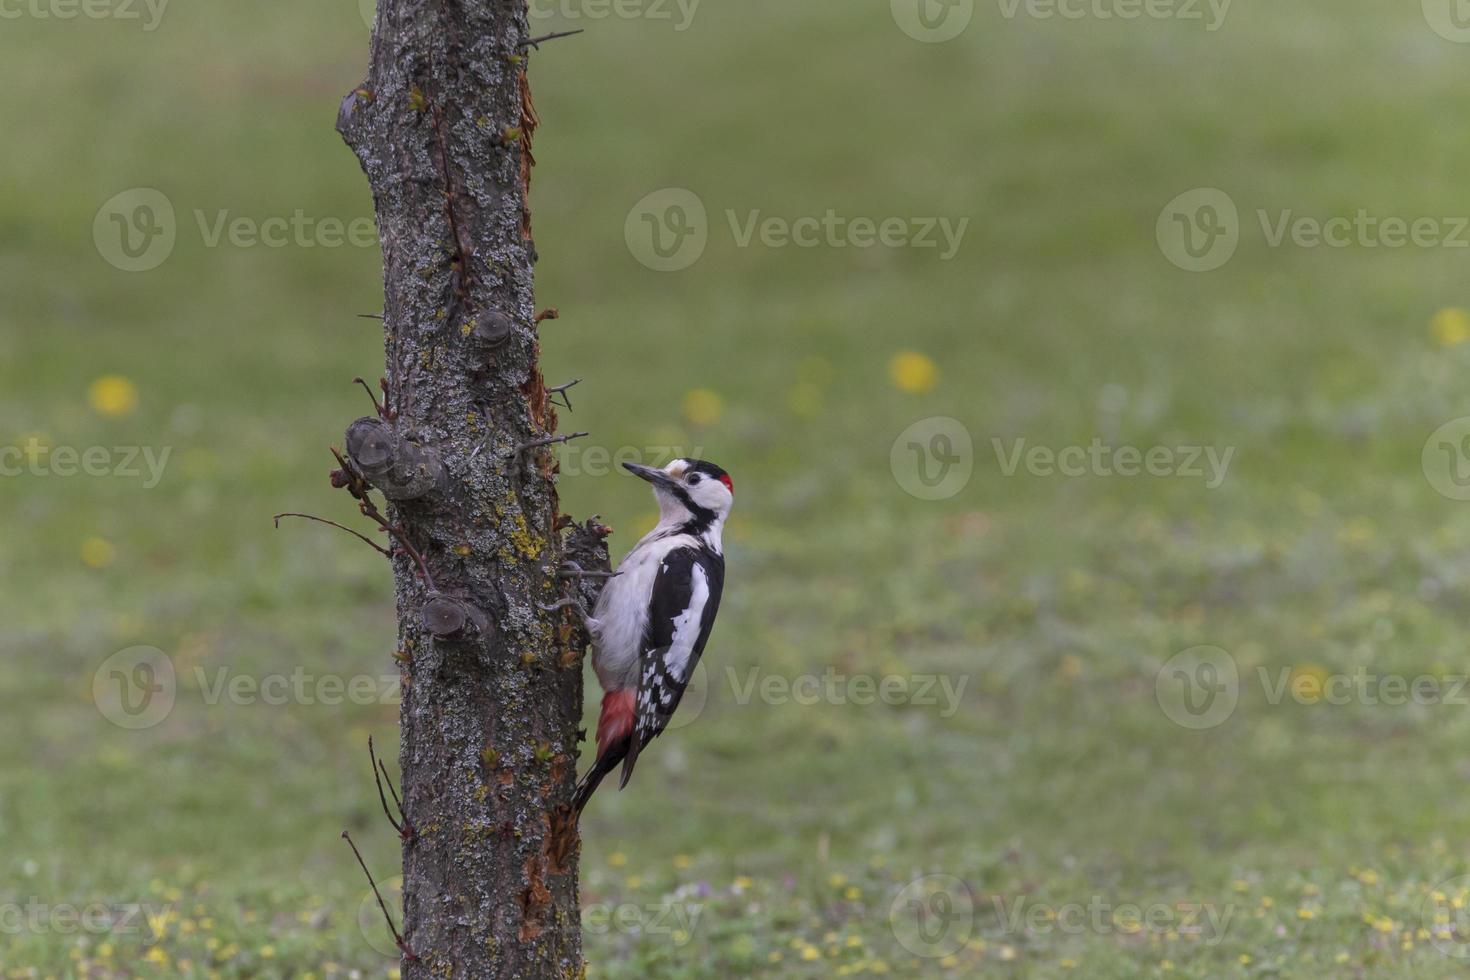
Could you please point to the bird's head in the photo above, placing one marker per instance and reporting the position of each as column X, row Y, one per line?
column 689, row 489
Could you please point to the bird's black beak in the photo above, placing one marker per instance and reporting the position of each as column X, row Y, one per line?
column 657, row 477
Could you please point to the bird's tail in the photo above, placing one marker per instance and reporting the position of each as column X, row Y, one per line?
column 604, row 765
column 614, row 736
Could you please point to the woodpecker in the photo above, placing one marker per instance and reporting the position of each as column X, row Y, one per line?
column 655, row 615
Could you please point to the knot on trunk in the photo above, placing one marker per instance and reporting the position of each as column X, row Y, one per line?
column 493, row 329
column 449, row 618
column 399, row 467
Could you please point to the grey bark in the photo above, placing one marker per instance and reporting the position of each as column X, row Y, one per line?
column 492, row 694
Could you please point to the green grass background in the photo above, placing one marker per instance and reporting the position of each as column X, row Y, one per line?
column 1319, row 829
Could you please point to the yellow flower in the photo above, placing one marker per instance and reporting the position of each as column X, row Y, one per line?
column 1450, row 327
column 853, row 893
column 810, row 953
column 267, row 952
column 742, row 882
column 617, row 859
column 703, row 407
column 837, row 880
column 113, row 396
column 98, row 553
column 1306, row 913
column 683, row 861
column 913, row 372
column 635, row 882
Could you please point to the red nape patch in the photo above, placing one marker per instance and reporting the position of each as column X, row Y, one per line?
column 729, row 484
column 616, row 721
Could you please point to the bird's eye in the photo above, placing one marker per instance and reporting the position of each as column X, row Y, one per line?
column 694, row 479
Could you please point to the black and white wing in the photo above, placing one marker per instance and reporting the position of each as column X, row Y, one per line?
column 686, row 597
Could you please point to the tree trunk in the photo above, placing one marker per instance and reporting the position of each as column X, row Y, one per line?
column 492, row 693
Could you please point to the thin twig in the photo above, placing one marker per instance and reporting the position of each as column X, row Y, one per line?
column 370, row 316
column 322, row 520
column 393, row 792
column 547, row 441
column 380, row 774
column 397, row 936
column 361, row 490
column 562, row 390
column 374, row 398
column 536, row 42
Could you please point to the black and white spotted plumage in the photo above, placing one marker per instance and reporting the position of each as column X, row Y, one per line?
column 686, row 598
column 655, row 616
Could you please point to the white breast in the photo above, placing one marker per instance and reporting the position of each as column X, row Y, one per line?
column 622, row 610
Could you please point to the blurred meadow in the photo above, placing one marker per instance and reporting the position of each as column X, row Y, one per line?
column 1068, row 811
